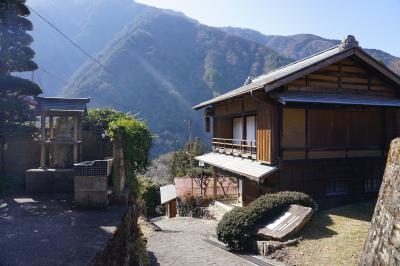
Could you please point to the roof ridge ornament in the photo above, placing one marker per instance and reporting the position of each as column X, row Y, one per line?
column 348, row 42
column 248, row 81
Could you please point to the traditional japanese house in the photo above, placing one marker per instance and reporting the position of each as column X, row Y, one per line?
column 321, row 125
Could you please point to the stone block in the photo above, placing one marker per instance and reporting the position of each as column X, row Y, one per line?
column 382, row 246
column 90, row 199
column 49, row 180
column 90, row 191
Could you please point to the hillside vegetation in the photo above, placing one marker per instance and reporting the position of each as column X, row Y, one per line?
column 163, row 62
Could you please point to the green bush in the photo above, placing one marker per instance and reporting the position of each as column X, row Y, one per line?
column 149, row 193
column 99, row 119
column 237, row 226
column 136, row 139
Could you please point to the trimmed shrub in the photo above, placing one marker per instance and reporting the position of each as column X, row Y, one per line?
column 236, row 229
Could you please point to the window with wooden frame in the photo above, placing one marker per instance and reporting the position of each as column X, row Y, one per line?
column 372, row 184
column 337, row 187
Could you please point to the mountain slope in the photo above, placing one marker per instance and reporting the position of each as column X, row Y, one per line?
column 302, row 45
column 163, row 65
column 89, row 23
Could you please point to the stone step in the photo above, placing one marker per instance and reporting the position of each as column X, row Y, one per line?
column 223, row 206
column 217, row 209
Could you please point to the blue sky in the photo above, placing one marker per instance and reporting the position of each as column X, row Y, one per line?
column 376, row 24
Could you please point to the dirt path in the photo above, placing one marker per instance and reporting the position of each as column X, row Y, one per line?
column 181, row 243
column 46, row 231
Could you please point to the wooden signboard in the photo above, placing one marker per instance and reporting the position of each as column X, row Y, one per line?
column 287, row 224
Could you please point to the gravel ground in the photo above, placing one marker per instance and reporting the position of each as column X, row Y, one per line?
column 180, row 243
column 45, row 230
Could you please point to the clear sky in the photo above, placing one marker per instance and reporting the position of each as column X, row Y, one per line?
column 376, row 24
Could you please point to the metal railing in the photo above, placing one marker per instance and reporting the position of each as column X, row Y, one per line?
column 236, row 147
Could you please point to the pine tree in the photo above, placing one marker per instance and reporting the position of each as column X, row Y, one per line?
column 15, row 56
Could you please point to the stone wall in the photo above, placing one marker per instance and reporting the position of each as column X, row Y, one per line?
column 20, row 153
column 126, row 246
column 382, row 246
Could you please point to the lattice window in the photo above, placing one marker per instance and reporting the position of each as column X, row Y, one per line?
column 337, row 187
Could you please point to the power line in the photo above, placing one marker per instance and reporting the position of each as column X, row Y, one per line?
column 53, row 75
column 73, row 43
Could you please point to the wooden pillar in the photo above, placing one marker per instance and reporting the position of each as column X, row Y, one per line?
column 43, row 139
column 51, row 126
column 76, row 139
column 215, row 186
column 306, row 134
column 80, row 147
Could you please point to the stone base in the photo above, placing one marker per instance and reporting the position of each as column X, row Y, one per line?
column 90, row 191
column 50, row 180
column 120, row 199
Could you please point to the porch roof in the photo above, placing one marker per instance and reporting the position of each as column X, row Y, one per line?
column 237, row 165
column 336, row 98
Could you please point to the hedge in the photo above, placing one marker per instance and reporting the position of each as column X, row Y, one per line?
column 236, row 229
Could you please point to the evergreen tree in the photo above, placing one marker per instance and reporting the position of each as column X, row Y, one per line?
column 180, row 161
column 15, row 56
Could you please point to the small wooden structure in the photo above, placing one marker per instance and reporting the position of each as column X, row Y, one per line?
column 322, row 125
column 168, row 197
column 60, row 136
column 63, row 109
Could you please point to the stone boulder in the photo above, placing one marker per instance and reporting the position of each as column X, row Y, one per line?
column 382, row 246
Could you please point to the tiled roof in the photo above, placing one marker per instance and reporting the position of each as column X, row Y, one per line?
column 335, row 98
column 57, row 104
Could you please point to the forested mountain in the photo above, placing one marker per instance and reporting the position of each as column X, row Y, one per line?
column 89, row 23
column 162, row 65
column 161, row 62
column 302, row 45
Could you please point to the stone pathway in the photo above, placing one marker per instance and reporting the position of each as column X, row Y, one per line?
column 45, row 230
column 181, row 243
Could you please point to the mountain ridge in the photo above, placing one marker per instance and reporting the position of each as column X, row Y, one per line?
column 299, row 46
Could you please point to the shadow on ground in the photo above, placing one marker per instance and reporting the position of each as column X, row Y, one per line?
column 47, row 230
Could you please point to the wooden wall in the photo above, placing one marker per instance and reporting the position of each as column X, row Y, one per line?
column 266, row 123
column 235, row 107
column 341, row 132
column 313, row 176
column 347, row 75
column 266, row 132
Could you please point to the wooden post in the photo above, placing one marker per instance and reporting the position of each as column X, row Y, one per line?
column 80, row 156
column 76, row 139
column 306, row 134
column 43, row 139
column 51, row 126
column 215, row 185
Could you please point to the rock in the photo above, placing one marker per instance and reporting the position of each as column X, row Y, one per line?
column 382, row 246
column 288, row 224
